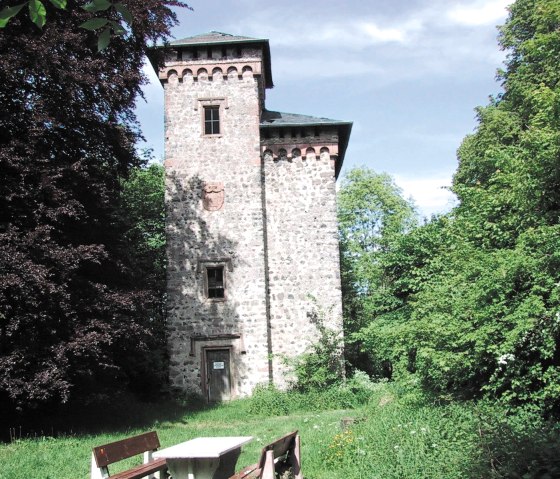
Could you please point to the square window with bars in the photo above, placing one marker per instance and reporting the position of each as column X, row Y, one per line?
column 215, row 284
column 211, row 120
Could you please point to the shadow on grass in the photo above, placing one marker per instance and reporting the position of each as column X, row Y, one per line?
column 521, row 445
column 118, row 414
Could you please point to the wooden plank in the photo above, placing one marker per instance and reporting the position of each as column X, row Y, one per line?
column 269, row 453
column 245, row 472
column 296, row 459
column 142, row 470
column 268, row 469
column 279, row 447
column 125, row 448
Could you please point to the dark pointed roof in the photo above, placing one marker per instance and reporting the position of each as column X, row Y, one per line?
column 215, row 37
column 278, row 119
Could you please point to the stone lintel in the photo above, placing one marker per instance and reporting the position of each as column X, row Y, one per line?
column 216, row 337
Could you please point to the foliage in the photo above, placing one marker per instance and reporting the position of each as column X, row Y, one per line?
column 404, row 433
column 475, row 295
column 106, row 26
column 372, row 215
column 322, row 365
column 518, row 445
column 270, row 401
column 267, row 400
column 74, row 314
column 143, row 204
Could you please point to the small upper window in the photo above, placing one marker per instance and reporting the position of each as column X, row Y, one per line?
column 211, row 120
column 215, row 285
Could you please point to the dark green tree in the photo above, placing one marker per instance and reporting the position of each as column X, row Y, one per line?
column 74, row 315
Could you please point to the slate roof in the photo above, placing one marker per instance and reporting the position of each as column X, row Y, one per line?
column 214, row 37
column 278, row 119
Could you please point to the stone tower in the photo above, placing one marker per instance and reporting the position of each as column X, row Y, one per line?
column 251, row 219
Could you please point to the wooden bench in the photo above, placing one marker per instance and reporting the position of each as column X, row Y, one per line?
column 103, row 456
column 276, row 457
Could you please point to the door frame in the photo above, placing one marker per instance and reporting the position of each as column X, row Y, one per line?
column 204, row 365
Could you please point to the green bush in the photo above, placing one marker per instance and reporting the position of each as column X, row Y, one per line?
column 322, row 365
column 519, row 444
column 267, row 400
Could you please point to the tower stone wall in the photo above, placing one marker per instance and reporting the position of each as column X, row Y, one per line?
column 256, row 202
column 303, row 250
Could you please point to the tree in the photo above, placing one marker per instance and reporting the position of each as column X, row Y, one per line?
column 107, row 25
column 143, row 204
column 477, row 294
column 372, row 215
column 72, row 315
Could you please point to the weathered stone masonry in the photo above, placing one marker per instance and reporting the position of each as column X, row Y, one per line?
column 253, row 206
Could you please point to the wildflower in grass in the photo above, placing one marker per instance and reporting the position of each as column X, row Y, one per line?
column 340, row 448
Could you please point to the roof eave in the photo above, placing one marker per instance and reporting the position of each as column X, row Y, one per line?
column 318, row 123
column 343, row 144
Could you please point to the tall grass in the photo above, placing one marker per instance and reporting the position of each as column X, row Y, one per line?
column 397, row 432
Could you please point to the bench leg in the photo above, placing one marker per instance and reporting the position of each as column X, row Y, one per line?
column 296, row 459
column 149, row 458
column 98, row 472
column 268, row 469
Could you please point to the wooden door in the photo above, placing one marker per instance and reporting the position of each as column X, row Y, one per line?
column 218, row 375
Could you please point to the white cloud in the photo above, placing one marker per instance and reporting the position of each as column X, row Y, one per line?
column 311, row 68
column 481, row 13
column 344, row 33
column 429, row 193
column 398, row 34
column 420, row 41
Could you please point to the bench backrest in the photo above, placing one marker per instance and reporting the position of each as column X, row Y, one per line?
column 125, row 448
column 279, row 447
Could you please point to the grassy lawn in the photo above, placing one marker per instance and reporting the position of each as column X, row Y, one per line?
column 397, row 434
column 68, row 457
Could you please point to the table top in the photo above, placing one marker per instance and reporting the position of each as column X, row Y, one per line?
column 203, row 447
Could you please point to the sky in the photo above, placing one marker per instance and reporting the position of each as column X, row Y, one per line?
column 408, row 74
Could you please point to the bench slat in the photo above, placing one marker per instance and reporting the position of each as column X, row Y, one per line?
column 274, row 450
column 280, row 447
column 125, row 448
column 142, row 470
column 247, row 472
